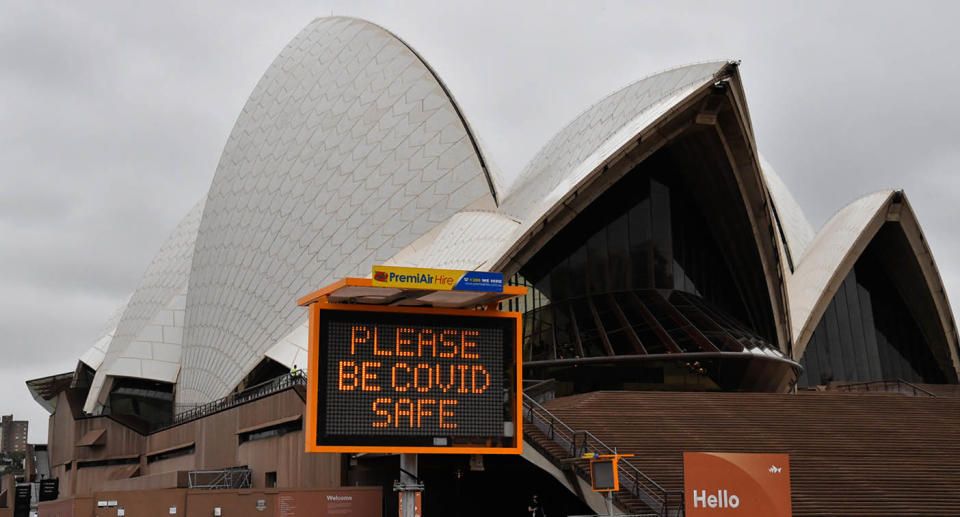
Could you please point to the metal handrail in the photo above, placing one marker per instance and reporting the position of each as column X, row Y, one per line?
column 884, row 385
column 220, row 479
column 252, row 393
column 580, row 442
column 277, row 384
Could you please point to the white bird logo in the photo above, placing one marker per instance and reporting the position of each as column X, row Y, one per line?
column 775, row 469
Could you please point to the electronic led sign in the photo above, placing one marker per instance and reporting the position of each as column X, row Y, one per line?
column 399, row 378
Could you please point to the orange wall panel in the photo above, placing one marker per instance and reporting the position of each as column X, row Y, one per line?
column 74, row 507
column 345, row 502
column 717, row 484
column 141, row 503
column 232, row 503
column 216, row 446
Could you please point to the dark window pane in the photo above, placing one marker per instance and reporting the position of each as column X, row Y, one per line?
column 618, row 242
column 868, row 332
column 662, row 237
column 641, row 250
column 599, row 268
column 577, row 274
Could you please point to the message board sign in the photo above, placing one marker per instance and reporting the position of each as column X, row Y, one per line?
column 404, row 379
column 736, row 484
column 49, row 489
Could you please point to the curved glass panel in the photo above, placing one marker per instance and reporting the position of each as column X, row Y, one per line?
column 639, row 322
column 141, row 401
column 869, row 332
column 639, row 272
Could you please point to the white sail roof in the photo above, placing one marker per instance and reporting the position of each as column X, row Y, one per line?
column 796, row 227
column 597, row 134
column 148, row 336
column 347, row 151
column 351, row 152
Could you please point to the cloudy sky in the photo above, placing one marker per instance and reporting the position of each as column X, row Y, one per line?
column 113, row 117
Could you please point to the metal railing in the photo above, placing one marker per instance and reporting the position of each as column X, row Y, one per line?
column 577, row 443
column 252, row 393
column 885, row 386
column 222, row 479
column 277, row 384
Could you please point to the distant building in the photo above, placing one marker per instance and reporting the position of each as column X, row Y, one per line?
column 13, row 434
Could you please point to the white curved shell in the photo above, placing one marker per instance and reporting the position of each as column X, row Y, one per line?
column 596, row 135
column 292, row 350
column 95, row 355
column 147, row 340
column 348, row 150
column 796, row 228
column 837, row 247
column 838, row 243
column 470, row 240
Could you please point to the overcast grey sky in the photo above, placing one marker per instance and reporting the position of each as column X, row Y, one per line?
column 113, row 116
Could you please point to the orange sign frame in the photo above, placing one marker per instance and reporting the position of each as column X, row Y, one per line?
column 616, row 478
column 614, row 459
column 318, row 304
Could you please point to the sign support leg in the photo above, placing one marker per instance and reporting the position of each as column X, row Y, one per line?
column 409, row 486
column 610, row 503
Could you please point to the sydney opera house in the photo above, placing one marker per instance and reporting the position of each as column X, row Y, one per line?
column 678, row 300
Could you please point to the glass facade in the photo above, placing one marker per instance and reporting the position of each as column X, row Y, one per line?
column 639, row 272
column 637, row 322
column 147, row 402
column 869, row 332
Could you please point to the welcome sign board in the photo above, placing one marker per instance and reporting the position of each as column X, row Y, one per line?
column 720, row 484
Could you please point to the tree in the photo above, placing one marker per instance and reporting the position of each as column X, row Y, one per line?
column 16, row 467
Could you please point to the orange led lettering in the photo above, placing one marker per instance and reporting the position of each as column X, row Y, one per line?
column 347, row 380
column 463, row 368
column 382, row 412
column 473, row 380
column 464, row 344
column 417, row 377
column 422, row 341
column 364, row 376
column 393, row 377
column 444, row 342
column 377, row 351
column 358, row 336
column 421, row 412
column 404, row 341
column 399, row 413
column 451, row 378
column 442, row 413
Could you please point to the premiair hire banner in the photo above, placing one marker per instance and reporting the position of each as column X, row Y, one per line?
column 437, row 279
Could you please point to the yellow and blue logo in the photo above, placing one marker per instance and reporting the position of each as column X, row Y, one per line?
column 437, row 279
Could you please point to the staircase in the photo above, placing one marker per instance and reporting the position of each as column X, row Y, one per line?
column 565, row 447
column 851, row 454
